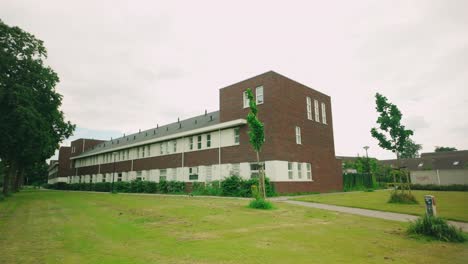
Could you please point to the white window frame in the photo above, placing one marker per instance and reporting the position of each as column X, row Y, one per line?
column 259, row 99
column 191, row 143
column 193, row 171
column 208, row 140
column 237, row 135
column 299, row 170
column 163, row 174
column 324, row 114
column 174, row 146
column 245, row 99
column 290, row 171
column 199, row 142
column 316, row 110
column 309, row 171
column 298, row 136
column 256, row 171
column 309, row 108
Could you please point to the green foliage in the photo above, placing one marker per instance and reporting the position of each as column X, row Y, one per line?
column 261, row 204
column 444, row 149
column 256, row 129
column 410, row 150
column 402, row 198
column 236, row 186
column 437, row 228
column 357, row 181
column 211, row 188
column 123, row 187
column 390, row 133
column 433, row 187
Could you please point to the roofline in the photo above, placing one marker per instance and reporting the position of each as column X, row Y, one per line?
column 227, row 124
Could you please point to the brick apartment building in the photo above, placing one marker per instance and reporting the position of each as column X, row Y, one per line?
column 298, row 153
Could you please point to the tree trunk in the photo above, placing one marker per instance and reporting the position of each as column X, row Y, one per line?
column 261, row 178
column 18, row 183
column 9, row 177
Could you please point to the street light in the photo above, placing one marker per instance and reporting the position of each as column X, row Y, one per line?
column 113, row 172
column 367, row 160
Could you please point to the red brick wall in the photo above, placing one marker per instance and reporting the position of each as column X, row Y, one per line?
column 64, row 169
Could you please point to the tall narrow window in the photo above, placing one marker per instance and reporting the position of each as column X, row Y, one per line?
column 324, row 114
column 309, row 108
column 193, row 174
column 149, row 150
column 309, row 171
column 290, row 170
column 209, row 173
column 236, row 135
column 316, row 110
column 161, row 150
column 191, row 142
column 162, row 175
column 174, row 146
column 259, row 95
column 138, row 152
column 143, row 151
column 199, row 138
column 208, row 140
column 298, row 135
column 128, row 154
column 299, row 170
column 123, row 155
column 245, row 99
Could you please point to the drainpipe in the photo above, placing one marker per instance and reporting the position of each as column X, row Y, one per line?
column 219, row 154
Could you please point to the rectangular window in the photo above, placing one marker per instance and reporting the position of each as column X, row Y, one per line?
column 324, row 114
column 255, row 169
column 162, row 175
column 193, row 173
column 199, row 137
column 236, row 135
column 290, row 170
column 149, row 150
column 174, row 146
column 191, row 142
column 208, row 140
column 316, row 110
column 309, row 171
column 138, row 176
column 235, row 169
column 143, row 151
column 209, row 173
column 259, row 95
column 128, row 154
column 103, row 177
column 119, row 177
column 246, row 99
column 161, row 150
column 298, row 135
column 309, row 108
column 138, row 152
column 299, row 170
column 173, row 174
column 123, row 155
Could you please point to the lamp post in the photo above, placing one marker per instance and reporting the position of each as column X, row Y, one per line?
column 113, row 172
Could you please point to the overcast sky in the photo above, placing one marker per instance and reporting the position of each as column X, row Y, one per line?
column 129, row 65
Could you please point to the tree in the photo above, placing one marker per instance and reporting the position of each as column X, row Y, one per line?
column 31, row 124
column 390, row 133
column 444, row 149
column 256, row 138
column 410, row 150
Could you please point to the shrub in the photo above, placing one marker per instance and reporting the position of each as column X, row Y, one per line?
column 260, row 204
column 232, row 186
column 433, row 187
column 402, row 197
column 437, row 228
column 175, row 187
column 150, row 187
column 1, row 197
column 357, row 181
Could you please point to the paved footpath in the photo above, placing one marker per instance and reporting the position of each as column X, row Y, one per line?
column 366, row 212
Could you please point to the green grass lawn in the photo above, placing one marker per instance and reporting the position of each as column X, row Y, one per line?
column 450, row 205
column 73, row 227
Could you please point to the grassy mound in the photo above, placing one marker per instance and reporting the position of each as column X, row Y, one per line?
column 402, row 198
column 437, row 228
column 260, row 204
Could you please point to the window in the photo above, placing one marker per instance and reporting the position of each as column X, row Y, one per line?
column 119, row 177
column 324, row 114
column 259, row 95
column 299, row 170
column 209, row 173
column 208, row 140
column 290, row 170
column 199, row 137
column 162, row 175
column 236, row 135
column 161, row 150
column 298, row 135
column 148, row 150
column 143, row 151
column 316, row 110
column 138, row 152
column 103, row 178
column 174, row 146
column 309, row 171
column 309, row 108
column 138, row 176
column 91, row 178
column 174, row 174
column 255, row 169
column 128, row 154
column 191, row 143
column 235, row 171
column 123, row 155
column 246, row 99
column 193, row 174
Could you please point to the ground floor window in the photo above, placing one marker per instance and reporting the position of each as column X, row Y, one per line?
column 138, row 176
column 103, row 177
column 193, row 174
column 119, row 177
column 290, row 170
column 309, row 171
column 162, row 175
column 299, row 170
column 209, row 173
column 255, row 169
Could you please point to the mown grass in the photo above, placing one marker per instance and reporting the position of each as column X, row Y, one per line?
column 74, row 227
column 450, row 205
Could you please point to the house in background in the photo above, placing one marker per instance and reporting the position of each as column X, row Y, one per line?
column 298, row 154
column 440, row 168
column 59, row 170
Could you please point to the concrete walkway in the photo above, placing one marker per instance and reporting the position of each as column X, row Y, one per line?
column 366, row 212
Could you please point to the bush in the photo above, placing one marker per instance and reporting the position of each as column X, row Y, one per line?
column 357, row 181
column 210, row 188
column 238, row 187
column 1, row 197
column 402, row 198
column 433, row 187
column 260, row 204
column 437, row 228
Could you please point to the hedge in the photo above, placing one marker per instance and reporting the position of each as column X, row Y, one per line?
column 433, row 187
column 231, row 186
column 357, row 181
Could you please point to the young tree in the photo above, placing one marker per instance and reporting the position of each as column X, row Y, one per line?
column 444, row 149
column 390, row 133
column 410, row 150
column 31, row 124
column 256, row 138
